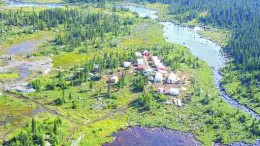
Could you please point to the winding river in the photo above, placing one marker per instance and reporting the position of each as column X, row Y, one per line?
column 201, row 47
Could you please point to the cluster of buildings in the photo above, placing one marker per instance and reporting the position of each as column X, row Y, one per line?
column 164, row 81
column 153, row 67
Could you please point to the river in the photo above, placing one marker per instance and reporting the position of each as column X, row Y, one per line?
column 199, row 46
column 12, row 3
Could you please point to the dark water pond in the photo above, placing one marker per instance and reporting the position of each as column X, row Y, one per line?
column 138, row 136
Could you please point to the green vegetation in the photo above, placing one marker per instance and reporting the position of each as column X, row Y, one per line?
column 8, row 76
column 13, row 112
column 42, row 1
column 242, row 47
column 246, row 95
column 219, row 36
column 50, row 130
column 82, row 103
column 2, row 3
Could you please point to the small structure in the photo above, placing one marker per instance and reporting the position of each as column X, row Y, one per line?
column 146, row 53
column 138, row 55
column 161, row 67
column 114, row 79
column 157, row 63
column 158, row 77
column 163, row 72
column 177, row 102
column 161, row 91
column 155, row 58
column 167, row 102
column 174, row 91
column 127, row 64
column 172, row 78
column 141, row 67
column 140, row 61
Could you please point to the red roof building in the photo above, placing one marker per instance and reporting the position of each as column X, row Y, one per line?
column 141, row 67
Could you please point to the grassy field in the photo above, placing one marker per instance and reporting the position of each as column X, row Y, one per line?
column 14, row 112
column 8, row 76
column 219, row 36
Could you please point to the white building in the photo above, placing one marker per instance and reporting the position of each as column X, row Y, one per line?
column 138, row 55
column 174, row 91
column 172, row 78
column 155, row 58
column 140, row 61
column 177, row 102
column 158, row 77
column 127, row 64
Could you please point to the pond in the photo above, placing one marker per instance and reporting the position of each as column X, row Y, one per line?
column 138, row 136
column 25, row 47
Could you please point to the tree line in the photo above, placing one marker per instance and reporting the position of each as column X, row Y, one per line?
column 76, row 25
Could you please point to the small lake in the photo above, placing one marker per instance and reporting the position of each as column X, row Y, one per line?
column 138, row 136
column 12, row 3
